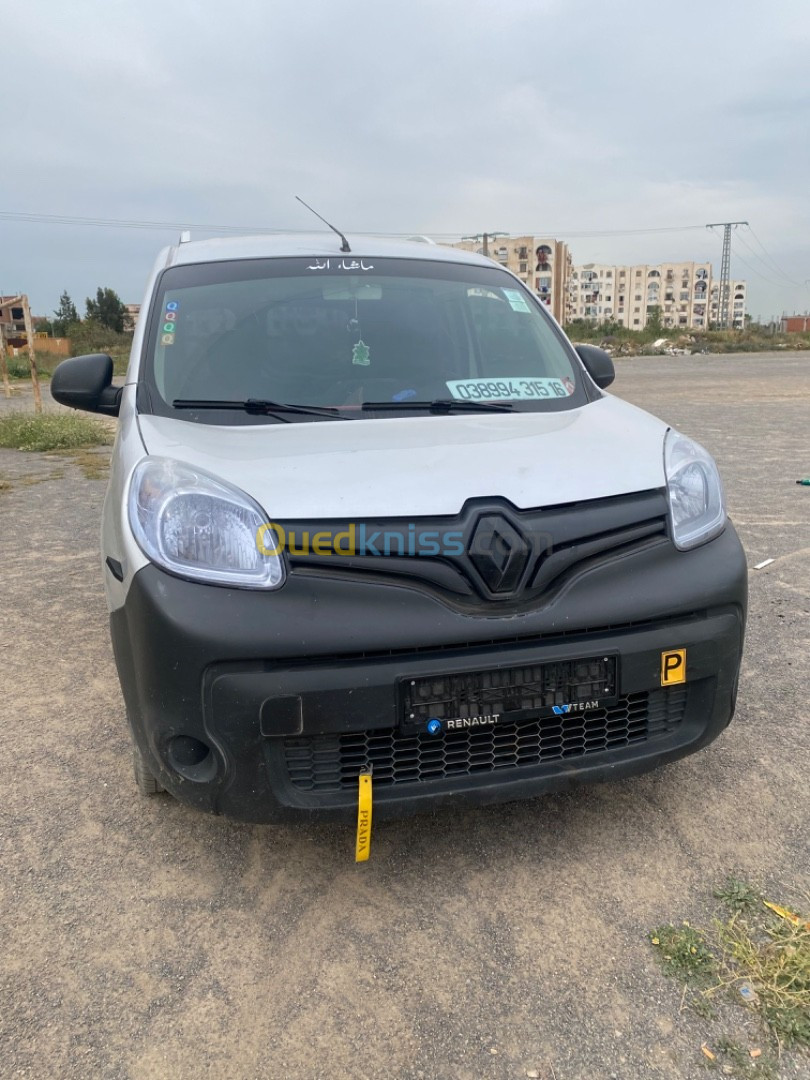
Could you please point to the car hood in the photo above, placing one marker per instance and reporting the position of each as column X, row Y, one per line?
column 424, row 465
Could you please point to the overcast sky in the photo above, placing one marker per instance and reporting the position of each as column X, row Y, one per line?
column 443, row 116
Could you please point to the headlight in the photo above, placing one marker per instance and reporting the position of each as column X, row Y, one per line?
column 696, row 501
column 199, row 527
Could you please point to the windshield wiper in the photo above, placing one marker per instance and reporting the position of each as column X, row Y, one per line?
column 260, row 407
column 439, row 405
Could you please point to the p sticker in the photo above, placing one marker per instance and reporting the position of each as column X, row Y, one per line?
column 363, row 848
column 673, row 667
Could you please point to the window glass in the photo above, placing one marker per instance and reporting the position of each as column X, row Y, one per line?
column 310, row 332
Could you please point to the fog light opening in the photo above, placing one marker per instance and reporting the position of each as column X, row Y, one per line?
column 192, row 758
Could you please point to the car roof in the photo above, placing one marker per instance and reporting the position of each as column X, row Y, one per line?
column 317, row 244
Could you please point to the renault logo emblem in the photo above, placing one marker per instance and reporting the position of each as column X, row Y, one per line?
column 499, row 553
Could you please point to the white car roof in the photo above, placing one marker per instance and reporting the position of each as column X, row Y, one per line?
column 320, row 244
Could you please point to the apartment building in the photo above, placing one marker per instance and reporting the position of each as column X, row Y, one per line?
column 737, row 298
column 131, row 316
column 683, row 294
column 542, row 263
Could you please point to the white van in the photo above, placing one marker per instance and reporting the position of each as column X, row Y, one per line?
column 370, row 512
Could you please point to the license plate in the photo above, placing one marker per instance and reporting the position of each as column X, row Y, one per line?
column 465, row 700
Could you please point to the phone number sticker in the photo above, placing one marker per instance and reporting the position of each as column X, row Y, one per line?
column 514, row 387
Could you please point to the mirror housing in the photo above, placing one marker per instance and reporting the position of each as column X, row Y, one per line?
column 85, row 382
column 598, row 364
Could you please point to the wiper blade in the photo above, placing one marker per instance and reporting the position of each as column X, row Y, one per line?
column 439, row 405
column 260, row 407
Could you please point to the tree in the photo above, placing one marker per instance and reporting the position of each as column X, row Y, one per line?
column 107, row 309
column 654, row 319
column 64, row 315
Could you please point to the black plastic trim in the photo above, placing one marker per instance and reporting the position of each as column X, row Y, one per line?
column 115, row 568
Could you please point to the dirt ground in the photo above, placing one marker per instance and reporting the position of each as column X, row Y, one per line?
column 141, row 939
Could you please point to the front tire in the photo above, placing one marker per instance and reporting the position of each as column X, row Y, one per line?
column 145, row 780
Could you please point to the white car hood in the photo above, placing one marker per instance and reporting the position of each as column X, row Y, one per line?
column 424, row 465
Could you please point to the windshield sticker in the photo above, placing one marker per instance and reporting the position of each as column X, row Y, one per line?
column 361, row 354
column 516, row 300
column 515, row 387
column 340, row 264
column 169, row 320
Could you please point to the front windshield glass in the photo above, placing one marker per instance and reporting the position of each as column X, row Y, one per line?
column 345, row 332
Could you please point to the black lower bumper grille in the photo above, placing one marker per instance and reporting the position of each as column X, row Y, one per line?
column 333, row 762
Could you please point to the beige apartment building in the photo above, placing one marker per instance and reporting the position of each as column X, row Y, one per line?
column 682, row 293
column 542, row 263
column 737, row 298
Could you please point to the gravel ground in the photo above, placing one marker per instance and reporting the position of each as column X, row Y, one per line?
column 141, row 939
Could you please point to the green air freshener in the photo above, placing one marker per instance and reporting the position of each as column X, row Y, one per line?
column 361, row 354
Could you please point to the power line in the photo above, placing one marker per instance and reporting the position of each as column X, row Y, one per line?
column 754, row 270
column 773, row 263
column 771, row 272
column 32, row 217
column 771, row 281
column 64, row 219
column 612, row 232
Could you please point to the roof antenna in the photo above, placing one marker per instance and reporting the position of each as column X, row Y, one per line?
column 345, row 245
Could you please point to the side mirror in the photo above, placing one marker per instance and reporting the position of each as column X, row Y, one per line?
column 598, row 364
column 85, row 382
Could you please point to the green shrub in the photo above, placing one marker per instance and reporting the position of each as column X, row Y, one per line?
column 90, row 336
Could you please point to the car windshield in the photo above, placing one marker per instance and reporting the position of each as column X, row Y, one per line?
column 347, row 333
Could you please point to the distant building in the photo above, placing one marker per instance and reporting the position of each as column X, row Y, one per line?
column 542, row 263
column 796, row 324
column 13, row 336
column 737, row 296
column 12, row 321
column 682, row 294
column 131, row 317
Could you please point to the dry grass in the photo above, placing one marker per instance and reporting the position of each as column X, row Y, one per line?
column 772, row 956
column 94, row 464
column 8, row 483
column 754, row 956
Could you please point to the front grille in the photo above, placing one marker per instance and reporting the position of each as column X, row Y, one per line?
column 325, row 763
column 499, row 554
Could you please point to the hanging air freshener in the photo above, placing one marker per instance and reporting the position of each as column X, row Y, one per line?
column 361, row 354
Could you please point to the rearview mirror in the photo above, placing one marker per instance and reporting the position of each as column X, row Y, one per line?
column 598, row 364
column 85, row 382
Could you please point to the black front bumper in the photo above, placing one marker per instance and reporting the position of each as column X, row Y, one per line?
column 296, row 692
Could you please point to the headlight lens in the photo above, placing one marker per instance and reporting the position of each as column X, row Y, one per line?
column 199, row 527
column 697, row 504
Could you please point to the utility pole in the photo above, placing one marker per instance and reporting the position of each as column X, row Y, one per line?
column 29, row 333
column 485, row 238
column 4, row 365
column 725, row 271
